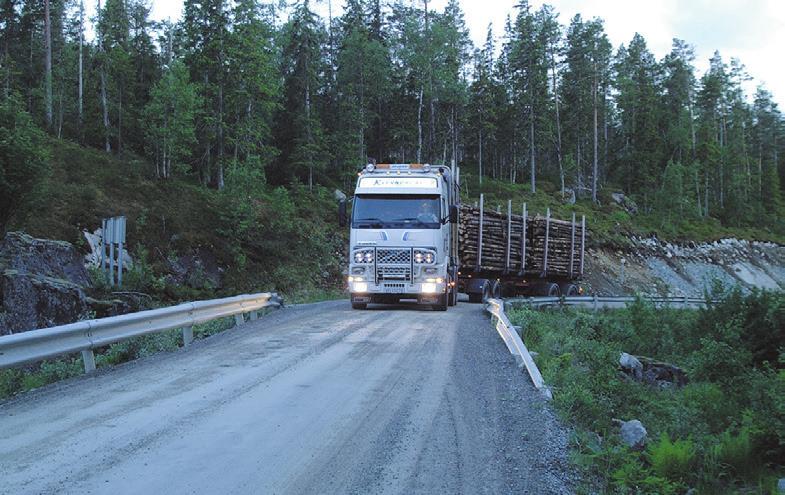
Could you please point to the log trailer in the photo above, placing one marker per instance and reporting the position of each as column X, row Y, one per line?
column 509, row 255
column 411, row 239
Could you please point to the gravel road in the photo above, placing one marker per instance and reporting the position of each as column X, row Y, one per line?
column 312, row 399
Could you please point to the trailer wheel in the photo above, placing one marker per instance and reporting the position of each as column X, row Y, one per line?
column 554, row 290
column 359, row 305
column 570, row 290
column 496, row 290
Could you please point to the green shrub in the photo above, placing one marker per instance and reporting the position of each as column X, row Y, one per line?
column 734, row 455
column 672, row 460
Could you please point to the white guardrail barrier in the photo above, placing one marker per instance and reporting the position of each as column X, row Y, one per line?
column 512, row 337
column 85, row 336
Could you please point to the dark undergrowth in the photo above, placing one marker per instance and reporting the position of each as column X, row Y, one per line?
column 724, row 432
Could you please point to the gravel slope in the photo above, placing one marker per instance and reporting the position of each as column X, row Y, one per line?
column 313, row 399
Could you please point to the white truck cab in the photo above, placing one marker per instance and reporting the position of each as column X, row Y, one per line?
column 403, row 238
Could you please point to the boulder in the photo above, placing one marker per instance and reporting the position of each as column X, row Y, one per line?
column 34, row 301
column 663, row 375
column 781, row 485
column 631, row 365
column 633, row 434
column 625, row 202
column 56, row 259
column 41, row 283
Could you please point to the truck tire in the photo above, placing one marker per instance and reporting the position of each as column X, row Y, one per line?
column 442, row 304
column 496, row 290
column 569, row 290
column 452, row 297
column 554, row 290
column 359, row 305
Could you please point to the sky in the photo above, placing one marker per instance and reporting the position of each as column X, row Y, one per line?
column 751, row 30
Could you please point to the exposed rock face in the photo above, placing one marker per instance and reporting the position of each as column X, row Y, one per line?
column 41, row 283
column 660, row 268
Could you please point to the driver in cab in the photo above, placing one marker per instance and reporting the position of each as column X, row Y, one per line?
column 427, row 213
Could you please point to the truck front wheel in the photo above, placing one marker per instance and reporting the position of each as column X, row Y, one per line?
column 442, row 304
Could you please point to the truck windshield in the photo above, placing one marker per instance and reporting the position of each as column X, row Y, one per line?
column 396, row 211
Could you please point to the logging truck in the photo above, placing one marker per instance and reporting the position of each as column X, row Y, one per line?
column 410, row 238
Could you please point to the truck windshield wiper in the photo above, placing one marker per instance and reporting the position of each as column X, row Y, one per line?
column 412, row 219
column 374, row 223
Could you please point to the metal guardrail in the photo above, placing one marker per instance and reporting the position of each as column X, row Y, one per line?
column 512, row 338
column 85, row 336
column 515, row 344
column 597, row 302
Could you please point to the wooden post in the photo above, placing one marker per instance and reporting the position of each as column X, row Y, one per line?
column 509, row 235
column 583, row 239
column 120, row 233
column 479, row 237
column 523, row 241
column 547, row 234
column 110, row 228
column 572, row 245
column 103, row 245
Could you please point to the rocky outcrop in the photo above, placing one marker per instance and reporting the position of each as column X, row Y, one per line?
column 41, row 283
column 647, row 370
column 651, row 266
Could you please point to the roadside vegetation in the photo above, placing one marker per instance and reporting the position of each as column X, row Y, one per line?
column 723, row 432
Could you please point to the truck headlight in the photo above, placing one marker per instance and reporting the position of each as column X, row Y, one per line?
column 422, row 256
column 359, row 287
column 363, row 256
column 429, row 288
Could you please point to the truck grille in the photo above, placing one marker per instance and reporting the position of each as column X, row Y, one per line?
column 393, row 273
column 393, row 256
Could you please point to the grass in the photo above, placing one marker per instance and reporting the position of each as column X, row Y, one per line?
column 724, row 432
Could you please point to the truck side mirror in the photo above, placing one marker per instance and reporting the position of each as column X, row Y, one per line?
column 453, row 214
column 342, row 213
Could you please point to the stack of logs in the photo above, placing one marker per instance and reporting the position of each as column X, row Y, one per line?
column 497, row 229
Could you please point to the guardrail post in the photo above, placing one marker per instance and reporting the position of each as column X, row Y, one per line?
column 595, row 302
column 188, row 335
column 238, row 319
column 253, row 315
column 89, row 360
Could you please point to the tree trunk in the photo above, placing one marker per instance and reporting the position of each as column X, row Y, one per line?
column 104, row 103
column 595, row 168
column 419, row 128
column 48, row 63
column 558, row 122
column 480, row 157
column 531, row 148
column 80, row 104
